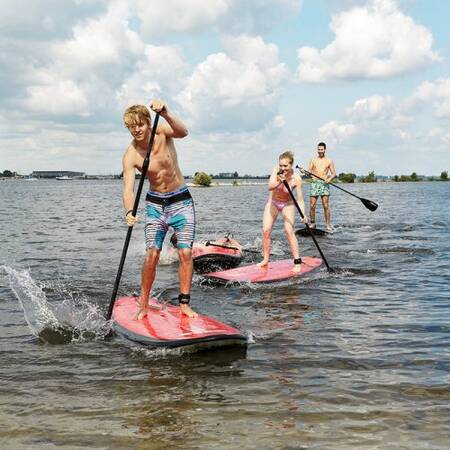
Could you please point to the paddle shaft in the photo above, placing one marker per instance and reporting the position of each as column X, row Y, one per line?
column 329, row 182
column 286, row 184
column 221, row 246
column 135, row 208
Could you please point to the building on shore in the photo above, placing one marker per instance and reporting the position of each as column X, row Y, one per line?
column 57, row 174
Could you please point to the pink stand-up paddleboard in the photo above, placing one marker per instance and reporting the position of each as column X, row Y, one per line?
column 165, row 326
column 274, row 271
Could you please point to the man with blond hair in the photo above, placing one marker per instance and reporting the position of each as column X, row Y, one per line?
column 168, row 202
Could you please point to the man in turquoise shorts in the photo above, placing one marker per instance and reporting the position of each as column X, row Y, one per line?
column 323, row 167
column 168, row 201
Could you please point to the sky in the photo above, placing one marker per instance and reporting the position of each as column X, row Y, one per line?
column 249, row 78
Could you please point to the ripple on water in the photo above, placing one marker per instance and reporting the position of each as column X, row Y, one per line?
column 353, row 359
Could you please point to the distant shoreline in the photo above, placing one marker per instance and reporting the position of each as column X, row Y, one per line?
column 221, row 182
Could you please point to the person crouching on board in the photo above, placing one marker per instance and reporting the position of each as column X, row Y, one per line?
column 280, row 201
column 168, row 202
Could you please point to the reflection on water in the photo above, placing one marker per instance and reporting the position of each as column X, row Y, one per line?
column 357, row 358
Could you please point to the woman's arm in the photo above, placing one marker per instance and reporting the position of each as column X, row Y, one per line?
column 300, row 199
column 274, row 180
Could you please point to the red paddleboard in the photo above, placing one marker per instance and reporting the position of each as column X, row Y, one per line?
column 165, row 326
column 210, row 257
column 274, row 271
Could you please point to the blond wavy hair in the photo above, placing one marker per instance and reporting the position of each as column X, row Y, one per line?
column 287, row 155
column 136, row 114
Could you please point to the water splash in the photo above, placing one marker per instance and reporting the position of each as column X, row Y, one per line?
column 72, row 320
column 251, row 338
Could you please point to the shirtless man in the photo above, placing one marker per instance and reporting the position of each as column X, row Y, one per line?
column 323, row 167
column 168, row 201
column 280, row 201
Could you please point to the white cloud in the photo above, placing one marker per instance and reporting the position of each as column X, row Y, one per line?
column 373, row 41
column 228, row 16
column 383, row 120
column 59, row 97
column 179, row 15
column 375, row 107
column 240, row 87
column 102, row 67
column 160, row 73
column 436, row 94
column 336, row 131
column 44, row 19
column 98, row 42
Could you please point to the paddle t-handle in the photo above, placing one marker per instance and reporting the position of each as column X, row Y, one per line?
column 135, row 208
column 369, row 204
column 286, row 185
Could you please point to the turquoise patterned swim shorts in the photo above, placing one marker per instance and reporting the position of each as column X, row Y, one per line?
column 179, row 215
column 319, row 188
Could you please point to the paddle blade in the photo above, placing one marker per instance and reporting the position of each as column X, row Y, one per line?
column 369, row 204
column 306, row 232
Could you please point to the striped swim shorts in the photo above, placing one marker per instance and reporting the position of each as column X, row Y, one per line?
column 170, row 210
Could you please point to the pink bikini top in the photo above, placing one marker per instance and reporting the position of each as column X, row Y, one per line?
column 282, row 188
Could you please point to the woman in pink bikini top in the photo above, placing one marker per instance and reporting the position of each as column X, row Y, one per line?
column 280, row 201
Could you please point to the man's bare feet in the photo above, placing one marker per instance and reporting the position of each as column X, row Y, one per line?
column 142, row 312
column 263, row 263
column 187, row 311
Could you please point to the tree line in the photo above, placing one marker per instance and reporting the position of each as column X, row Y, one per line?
column 8, row 174
column 372, row 178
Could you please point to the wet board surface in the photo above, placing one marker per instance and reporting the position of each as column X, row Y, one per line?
column 165, row 326
column 274, row 271
column 316, row 231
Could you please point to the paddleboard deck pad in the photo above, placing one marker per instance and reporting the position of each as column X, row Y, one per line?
column 274, row 271
column 207, row 258
column 316, row 231
column 166, row 327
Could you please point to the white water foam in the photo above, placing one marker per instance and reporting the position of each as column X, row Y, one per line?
column 75, row 316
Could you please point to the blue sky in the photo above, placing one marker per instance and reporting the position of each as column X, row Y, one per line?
column 250, row 79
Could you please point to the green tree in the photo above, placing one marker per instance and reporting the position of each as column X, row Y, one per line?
column 235, row 175
column 395, row 177
column 347, row 177
column 8, row 173
column 370, row 178
column 202, row 179
column 444, row 175
column 414, row 177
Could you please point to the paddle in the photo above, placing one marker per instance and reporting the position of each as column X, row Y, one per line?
column 286, row 184
column 135, row 208
column 369, row 204
column 220, row 245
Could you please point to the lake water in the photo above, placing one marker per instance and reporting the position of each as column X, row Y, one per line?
column 358, row 359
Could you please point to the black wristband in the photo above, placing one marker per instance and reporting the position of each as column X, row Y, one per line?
column 128, row 212
column 297, row 260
